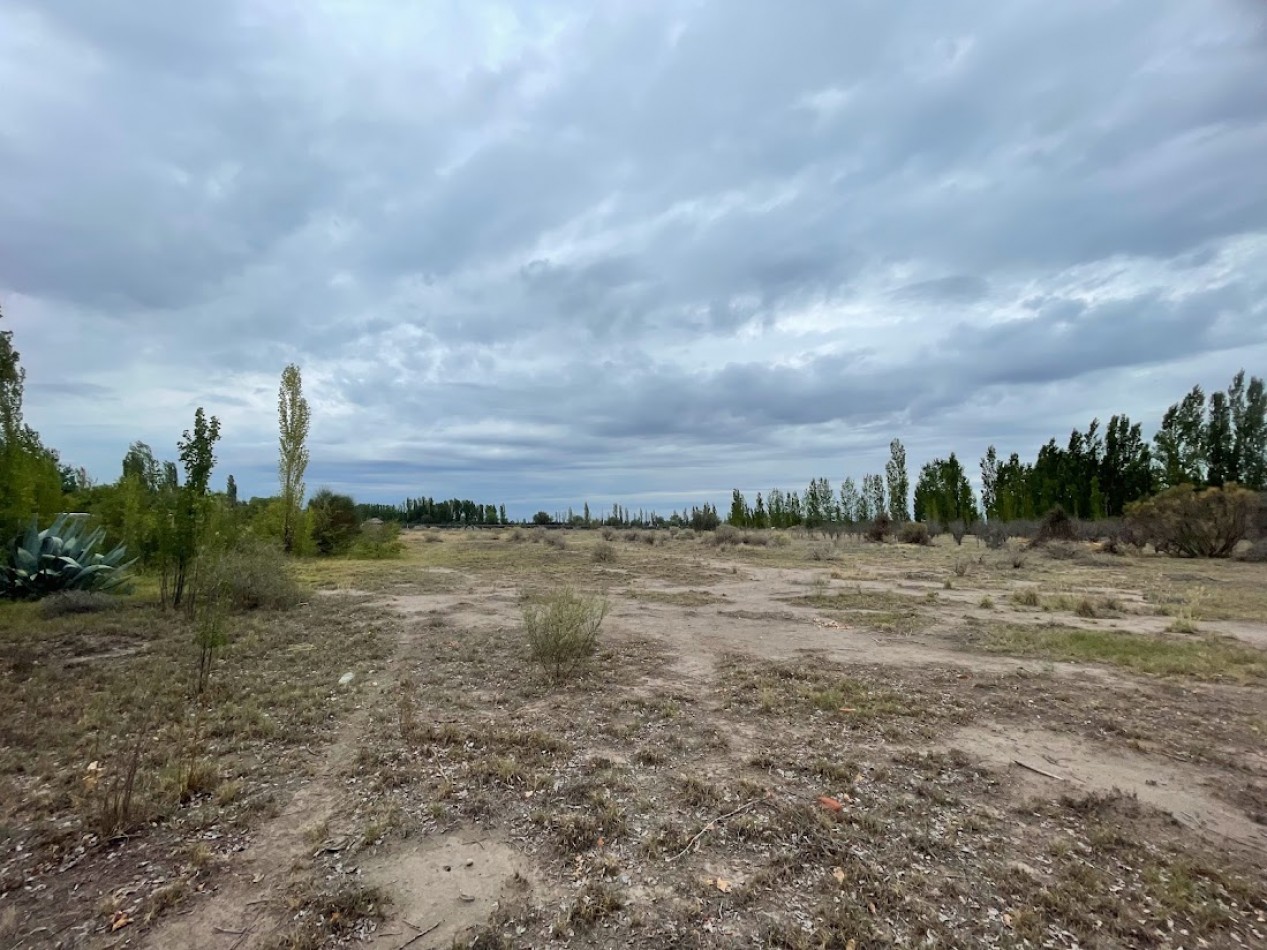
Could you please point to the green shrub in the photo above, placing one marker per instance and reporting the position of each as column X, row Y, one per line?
column 250, row 575
column 62, row 557
column 334, row 522
column 378, row 541
column 1188, row 522
column 562, row 630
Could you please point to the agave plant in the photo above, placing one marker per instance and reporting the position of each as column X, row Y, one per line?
column 61, row 557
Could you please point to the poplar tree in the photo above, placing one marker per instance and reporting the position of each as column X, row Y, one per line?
column 292, row 418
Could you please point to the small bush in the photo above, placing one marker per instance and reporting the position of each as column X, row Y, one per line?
column 556, row 540
column 562, row 630
column 1026, row 598
column 603, row 553
column 433, row 537
column 914, row 532
column 518, row 535
column 779, row 539
column 960, row 566
column 609, row 534
column 77, row 602
column 879, row 529
column 1056, row 526
column 378, row 541
column 994, row 534
column 724, row 535
column 1187, row 522
column 251, row 575
column 686, row 534
column 957, row 530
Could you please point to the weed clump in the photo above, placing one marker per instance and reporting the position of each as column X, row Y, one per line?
column 604, row 553
column 562, row 630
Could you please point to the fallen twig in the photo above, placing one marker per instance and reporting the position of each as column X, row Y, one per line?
column 413, row 940
column 712, row 824
column 1044, row 772
column 236, row 933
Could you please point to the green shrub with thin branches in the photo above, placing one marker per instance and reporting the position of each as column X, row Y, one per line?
column 561, row 628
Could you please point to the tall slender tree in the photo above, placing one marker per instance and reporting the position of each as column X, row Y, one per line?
column 899, row 482
column 292, row 418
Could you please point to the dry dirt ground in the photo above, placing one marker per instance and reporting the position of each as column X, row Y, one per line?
column 822, row 743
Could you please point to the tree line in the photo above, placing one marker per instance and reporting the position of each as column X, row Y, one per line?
column 1096, row 474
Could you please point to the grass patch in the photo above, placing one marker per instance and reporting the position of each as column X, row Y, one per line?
column 882, row 611
column 100, row 734
column 1208, row 658
column 678, row 598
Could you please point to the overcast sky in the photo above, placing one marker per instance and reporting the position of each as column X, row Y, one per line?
column 538, row 253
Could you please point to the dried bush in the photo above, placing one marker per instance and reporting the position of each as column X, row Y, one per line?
column 562, row 630
column 1056, row 526
column 958, row 530
column 779, row 539
column 724, row 535
column 879, row 529
column 77, row 602
column 914, row 532
column 250, row 575
column 609, row 534
column 556, row 540
column 686, row 534
column 603, row 553
column 994, row 534
column 1188, row 522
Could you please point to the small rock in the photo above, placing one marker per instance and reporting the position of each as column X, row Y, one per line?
column 346, row 678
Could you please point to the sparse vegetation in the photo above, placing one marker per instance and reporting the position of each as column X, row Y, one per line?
column 562, row 630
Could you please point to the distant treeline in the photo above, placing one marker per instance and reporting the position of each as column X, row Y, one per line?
column 1207, row 442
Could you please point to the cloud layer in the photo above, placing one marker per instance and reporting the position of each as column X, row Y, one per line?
column 540, row 253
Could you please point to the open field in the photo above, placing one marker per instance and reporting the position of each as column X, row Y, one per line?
column 813, row 744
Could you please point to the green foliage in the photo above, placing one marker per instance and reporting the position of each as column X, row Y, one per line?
column 293, row 420
column 1215, row 441
column 943, row 493
column 249, row 574
column 542, row 517
column 62, row 557
column 1191, row 522
column 30, row 477
column 378, row 541
column 183, row 511
column 898, row 483
column 335, row 523
column 562, row 630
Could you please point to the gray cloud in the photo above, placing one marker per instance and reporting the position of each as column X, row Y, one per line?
column 646, row 248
